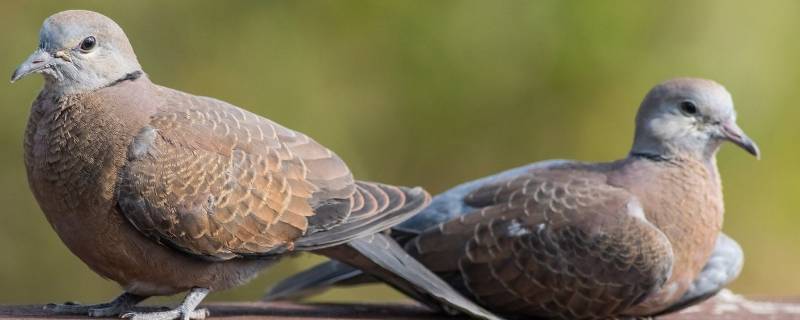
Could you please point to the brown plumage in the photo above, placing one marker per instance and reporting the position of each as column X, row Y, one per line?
column 574, row 240
column 165, row 192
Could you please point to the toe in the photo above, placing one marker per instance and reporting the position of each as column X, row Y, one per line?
column 65, row 308
column 168, row 315
column 103, row 312
column 199, row 314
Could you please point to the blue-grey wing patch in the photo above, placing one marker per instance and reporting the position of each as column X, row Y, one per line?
column 450, row 204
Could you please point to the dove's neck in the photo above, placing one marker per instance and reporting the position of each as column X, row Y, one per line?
column 647, row 146
column 706, row 157
column 74, row 78
column 709, row 160
column 702, row 151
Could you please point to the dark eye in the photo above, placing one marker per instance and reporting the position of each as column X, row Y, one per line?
column 688, row 107
column 88, row 43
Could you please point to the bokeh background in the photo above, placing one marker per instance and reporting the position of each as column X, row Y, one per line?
column 434, row 93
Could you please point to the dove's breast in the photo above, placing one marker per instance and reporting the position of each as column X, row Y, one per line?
column 684, row 201
column 74, row 149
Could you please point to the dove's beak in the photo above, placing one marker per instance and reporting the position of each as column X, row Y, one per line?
column 38, row 61
column 732, row 132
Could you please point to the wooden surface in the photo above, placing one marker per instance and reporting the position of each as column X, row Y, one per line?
column 726, row 305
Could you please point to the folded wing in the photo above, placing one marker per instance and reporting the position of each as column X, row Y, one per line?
column 216, row 181
column 551, row 243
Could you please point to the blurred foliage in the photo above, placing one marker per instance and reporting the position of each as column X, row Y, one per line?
column 434, row 93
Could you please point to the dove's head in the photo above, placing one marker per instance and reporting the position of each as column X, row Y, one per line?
column 80, row 51
column 688, row 117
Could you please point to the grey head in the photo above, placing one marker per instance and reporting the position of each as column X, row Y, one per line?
column 80, row 51
column 687, row 117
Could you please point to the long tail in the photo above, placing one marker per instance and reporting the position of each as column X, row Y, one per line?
column 370, row 198
column 316, row 280
column 382, row 257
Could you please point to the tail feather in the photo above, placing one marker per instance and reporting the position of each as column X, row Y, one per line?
column 382, row 257
column 326, row 275
column 314, row 281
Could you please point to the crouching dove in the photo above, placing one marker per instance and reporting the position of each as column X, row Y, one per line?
column 565, row 239
column 166, row 192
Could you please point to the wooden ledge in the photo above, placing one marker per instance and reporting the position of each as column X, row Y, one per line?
column 263, row 310
column 726, row 305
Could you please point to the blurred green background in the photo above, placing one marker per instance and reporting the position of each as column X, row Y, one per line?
column 434, row 93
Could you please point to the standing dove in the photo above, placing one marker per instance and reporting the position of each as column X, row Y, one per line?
column 638, row 236
column 167, row 192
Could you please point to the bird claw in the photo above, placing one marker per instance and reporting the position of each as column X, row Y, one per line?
column 186, row 311
column 92, row 310
column 198, row 314
column 70, row 307
column 109, row 311
column 123, row 303
column 51, row 306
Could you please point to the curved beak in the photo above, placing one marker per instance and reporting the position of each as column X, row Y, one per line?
column 732, row 132
column 36, row 62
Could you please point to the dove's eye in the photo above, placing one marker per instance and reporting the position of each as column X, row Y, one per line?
column 88, row 44
column 688, row 107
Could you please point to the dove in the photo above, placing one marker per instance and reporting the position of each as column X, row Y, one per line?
column 640, row 236
column 166, row 192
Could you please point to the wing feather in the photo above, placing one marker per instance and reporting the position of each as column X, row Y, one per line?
column 551, row 243
column 217, row 181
